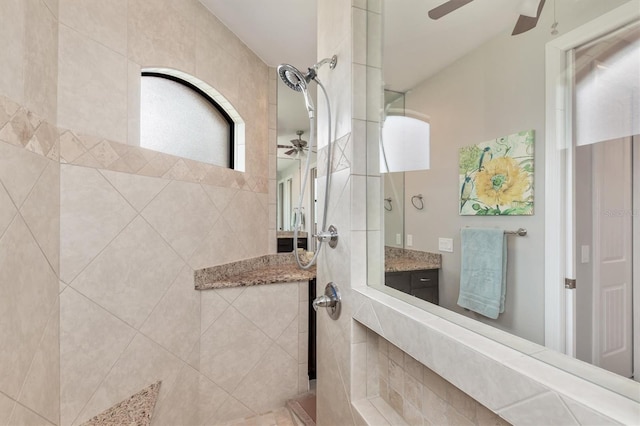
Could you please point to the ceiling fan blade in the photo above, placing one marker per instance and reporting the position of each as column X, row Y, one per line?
column 446, row 8
column 526, row 23
column 284, row 146
column 291, row 151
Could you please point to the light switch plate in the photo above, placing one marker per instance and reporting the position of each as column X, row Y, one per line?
column 409, row 240
column 445, row 244
column 398, row 239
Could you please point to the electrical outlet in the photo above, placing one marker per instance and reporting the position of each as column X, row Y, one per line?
column 409, row 240
column 398, row 239
column 445, row 244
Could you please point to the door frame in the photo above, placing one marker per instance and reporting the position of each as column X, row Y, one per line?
column 559, row 198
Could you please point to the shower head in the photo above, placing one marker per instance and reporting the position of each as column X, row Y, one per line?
column 293, row 78
column 297, row 81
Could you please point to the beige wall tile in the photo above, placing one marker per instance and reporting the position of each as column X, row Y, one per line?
column 104, row 22
column 41, row 60
column 19, row 171
column 12, row 55
column 220, row 196
column 7, row 210
column 192, row 400
column 228, row 337
column 28, row 290
column 289, row 340
column 133, row 104
column 86, row 355
column 161, row 33
column 53, row 6
column 212, row 305
column 137, row 190
column 23, row 416
column 250, row 229
column 358, row 371
column 92, row 213
column 183, row 214
column 231, row 409
column 41, row 212
column 175, row 321
column 214, row 64
column 6, row 407
column 41, row 390
column 212, row 252
column 116, row 281
column 276, row 375
column 92, row 87
column 257, row 304
column 142, row 364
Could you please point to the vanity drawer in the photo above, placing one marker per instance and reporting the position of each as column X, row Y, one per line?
column 430, row 294
column 426, row 278
column 398, row 280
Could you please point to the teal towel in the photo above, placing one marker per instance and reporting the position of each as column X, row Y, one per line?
column 483, row 271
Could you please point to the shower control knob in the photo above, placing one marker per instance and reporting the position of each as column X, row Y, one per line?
column 330, row 236
column 330, row 300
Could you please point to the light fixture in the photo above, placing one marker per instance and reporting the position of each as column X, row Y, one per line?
column 405, row 144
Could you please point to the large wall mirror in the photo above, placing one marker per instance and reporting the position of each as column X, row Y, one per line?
column 484, row 93
column 292, row 153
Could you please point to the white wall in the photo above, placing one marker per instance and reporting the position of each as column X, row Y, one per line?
column 494, row 91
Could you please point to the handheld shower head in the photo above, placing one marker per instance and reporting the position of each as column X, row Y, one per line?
column 297, row 81
column 293, row 78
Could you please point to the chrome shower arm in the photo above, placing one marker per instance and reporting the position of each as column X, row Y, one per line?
column 332, row 61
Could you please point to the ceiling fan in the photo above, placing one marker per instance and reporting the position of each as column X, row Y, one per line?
column 525, row 22
column 298, row 146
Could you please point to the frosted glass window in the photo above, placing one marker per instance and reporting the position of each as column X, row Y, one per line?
column 178, row 119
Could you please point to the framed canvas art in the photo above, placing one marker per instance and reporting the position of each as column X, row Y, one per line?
column 496, row 177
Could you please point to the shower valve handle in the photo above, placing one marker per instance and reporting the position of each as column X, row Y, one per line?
column 323, row 301
column 330, row 300
column 330, row 236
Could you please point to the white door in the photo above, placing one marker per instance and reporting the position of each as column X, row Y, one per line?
column 613, row 256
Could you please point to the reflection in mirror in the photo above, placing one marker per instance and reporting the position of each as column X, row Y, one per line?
column 292, row 152
column 477, row 82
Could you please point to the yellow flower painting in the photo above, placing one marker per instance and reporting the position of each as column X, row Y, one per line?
column 496, row 177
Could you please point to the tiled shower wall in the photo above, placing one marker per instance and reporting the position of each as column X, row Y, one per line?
column 136, row 224
column 349, row 29
column 123, row 228
column 415, row 392
column 29, row 214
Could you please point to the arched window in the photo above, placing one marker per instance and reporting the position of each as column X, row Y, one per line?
column 183, row 116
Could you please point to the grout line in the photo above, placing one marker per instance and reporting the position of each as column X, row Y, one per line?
column 44, row 254
column 168, row 181
column 110, row 241
column 105, row 376
column 50, row 317
column 88, row 36
column 154, row 309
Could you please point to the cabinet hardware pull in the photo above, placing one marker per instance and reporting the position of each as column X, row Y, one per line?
column 424, row 280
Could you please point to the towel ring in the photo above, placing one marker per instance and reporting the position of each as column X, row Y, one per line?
column 419, row 204
column 387, row 202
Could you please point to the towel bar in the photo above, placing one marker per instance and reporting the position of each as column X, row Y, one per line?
column 521, row 232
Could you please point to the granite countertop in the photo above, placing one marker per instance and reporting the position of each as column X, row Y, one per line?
column 282, row 268
column 269, row 269
column 289, row 234
column 400, row 260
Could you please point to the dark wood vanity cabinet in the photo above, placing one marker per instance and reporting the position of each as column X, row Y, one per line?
column 285, row 245
column 422, row 284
